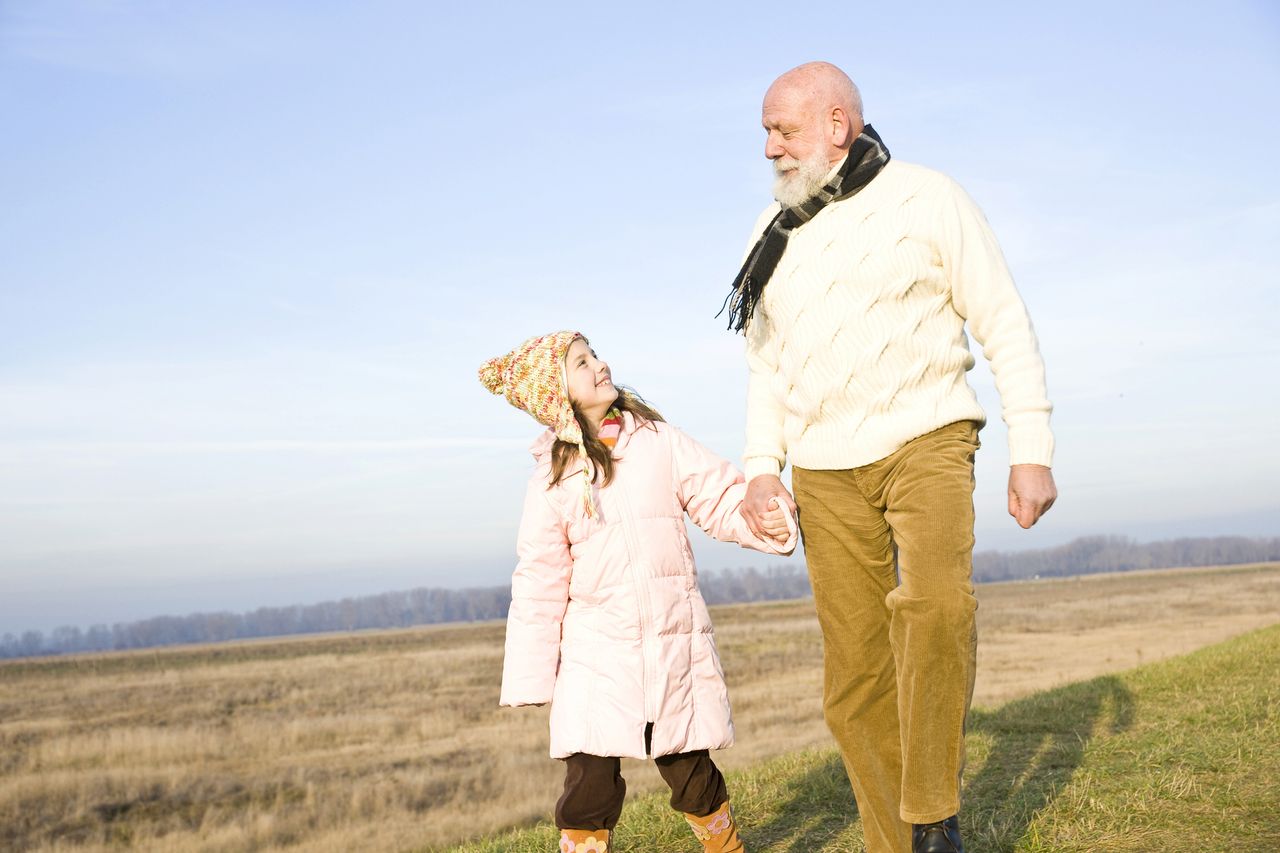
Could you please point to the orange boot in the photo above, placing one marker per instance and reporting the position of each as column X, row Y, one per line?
column 718, row 831
column 584, row 841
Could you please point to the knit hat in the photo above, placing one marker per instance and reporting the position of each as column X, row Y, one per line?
column 532, row 377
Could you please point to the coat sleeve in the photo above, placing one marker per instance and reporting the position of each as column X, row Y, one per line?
column 711, row 491
column 539, row 597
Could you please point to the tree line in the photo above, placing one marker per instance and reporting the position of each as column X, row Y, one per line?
column 425, row 606
column 1102, row 554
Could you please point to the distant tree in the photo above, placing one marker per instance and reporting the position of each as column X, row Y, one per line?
column 97, row 639
column 31, row 644
column 750, row 584
column 65, row 639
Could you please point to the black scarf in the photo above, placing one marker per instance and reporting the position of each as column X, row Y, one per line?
column 867, row 156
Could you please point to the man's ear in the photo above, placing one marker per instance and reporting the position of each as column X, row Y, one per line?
column 840, row 129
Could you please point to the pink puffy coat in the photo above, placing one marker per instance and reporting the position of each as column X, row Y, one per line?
column 606, row 619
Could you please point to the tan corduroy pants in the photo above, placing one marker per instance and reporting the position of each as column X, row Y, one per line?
column 889, row 547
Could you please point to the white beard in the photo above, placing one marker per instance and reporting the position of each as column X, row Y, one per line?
column 797, row 181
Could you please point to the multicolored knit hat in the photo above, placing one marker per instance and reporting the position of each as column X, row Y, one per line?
column 532, row 377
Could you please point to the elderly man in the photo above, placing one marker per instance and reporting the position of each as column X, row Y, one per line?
column 853, row 299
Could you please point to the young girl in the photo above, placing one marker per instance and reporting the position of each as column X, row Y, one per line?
column 606, row 619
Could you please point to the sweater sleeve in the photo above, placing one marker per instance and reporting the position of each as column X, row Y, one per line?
column 711, row 491
column 984, row 294
column 539, row 598
column 766, row 446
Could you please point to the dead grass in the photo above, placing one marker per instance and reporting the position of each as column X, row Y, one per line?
column 1179, row 755
column 394, row 741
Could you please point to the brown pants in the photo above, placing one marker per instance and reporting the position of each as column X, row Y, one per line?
column 594, row 788
column 889, row 547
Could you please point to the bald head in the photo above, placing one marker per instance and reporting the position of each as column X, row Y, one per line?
column 822, row 86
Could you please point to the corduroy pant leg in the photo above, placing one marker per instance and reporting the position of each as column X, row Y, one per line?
column 849, row 550
column 593, row 793
column 927, row 492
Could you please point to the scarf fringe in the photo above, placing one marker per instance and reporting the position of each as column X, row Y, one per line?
column 867, row 156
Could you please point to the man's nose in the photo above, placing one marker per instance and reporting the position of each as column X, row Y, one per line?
column 773, row 146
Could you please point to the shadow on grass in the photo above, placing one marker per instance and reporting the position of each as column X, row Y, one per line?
column 1035, row 746
column 1032, row 748
column 819, row 807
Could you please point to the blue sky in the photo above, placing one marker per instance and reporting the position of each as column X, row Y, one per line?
column 251, row 255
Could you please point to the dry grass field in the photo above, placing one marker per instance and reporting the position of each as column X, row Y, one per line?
column 393, row 741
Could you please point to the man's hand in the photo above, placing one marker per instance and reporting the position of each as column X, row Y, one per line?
column 1031, row 493
column 756, row 505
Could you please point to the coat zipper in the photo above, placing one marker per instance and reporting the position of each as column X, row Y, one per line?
column 628, row 533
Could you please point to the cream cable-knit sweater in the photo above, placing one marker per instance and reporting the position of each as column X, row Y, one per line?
column 858, row 343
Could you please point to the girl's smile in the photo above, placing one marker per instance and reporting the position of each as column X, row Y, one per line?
column 588, row 381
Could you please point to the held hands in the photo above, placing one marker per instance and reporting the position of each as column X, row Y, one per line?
column 1031, row 493
column 774, row 522
column 765, row 508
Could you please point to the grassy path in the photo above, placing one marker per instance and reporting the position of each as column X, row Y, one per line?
column 1182, row 755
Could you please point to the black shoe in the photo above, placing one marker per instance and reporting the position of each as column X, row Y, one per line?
column 940, row 837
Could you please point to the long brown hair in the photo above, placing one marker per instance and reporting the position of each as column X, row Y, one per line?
column 562, row 452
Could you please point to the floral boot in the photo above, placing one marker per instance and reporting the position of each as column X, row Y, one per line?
column 717, row 831
column 584, row 841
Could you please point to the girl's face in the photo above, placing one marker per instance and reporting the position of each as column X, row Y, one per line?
column 589, row 381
